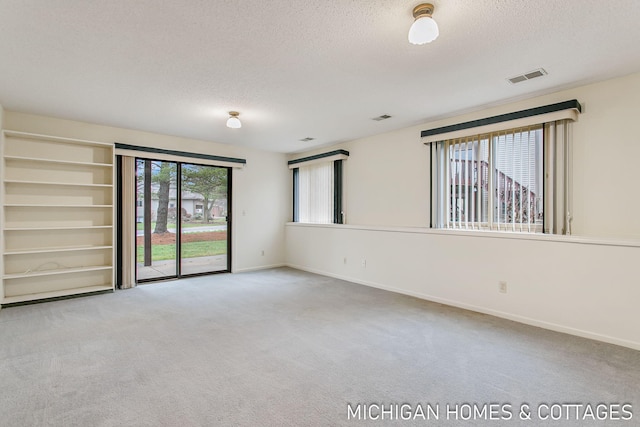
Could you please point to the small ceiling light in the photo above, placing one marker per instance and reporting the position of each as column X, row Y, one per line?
column 424, row 29
column 234, row 121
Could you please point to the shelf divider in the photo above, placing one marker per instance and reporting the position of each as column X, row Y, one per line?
column 56, row 272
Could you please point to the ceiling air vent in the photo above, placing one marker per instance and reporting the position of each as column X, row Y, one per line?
column 528, row 76
column 382, row 117
column 307, row 139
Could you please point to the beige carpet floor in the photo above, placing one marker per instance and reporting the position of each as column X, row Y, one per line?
column 283, row 347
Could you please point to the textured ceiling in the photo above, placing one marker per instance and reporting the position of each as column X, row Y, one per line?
column 294, row 68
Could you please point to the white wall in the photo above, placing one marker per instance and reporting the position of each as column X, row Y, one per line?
column 589, row 289
column 387, row 175
column 260, row 190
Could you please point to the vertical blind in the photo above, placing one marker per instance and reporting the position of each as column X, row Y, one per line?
column 558, row 158
column 127, row 233
column 315, row 193
column 519, row 179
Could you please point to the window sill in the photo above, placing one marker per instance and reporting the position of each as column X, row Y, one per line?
column 479, row 234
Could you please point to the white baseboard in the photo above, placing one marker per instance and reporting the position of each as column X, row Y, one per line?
column 509, row 316
column 260, row 267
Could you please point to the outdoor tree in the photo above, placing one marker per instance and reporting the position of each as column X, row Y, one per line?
column 209, row 182
column 163, row 173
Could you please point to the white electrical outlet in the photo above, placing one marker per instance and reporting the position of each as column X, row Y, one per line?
column 502, row 287
column 364, row 263
column 263, row 253
column 345, row 260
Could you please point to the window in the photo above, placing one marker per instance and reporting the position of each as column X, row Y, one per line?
column 510, row 172
column 315, row 193
column 317, row 188
column 493, row 181
column 516, row 180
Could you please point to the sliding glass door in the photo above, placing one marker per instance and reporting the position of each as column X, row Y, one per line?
column 203, row 219
column 182, row 212
column 156, row 242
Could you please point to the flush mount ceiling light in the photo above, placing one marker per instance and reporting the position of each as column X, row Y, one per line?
column 424, row 29
column 234, row 122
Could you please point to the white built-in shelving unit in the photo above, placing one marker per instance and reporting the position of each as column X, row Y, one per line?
column 57, row 217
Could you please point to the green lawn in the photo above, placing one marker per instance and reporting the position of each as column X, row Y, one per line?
column 217, row 221
column 189, row 250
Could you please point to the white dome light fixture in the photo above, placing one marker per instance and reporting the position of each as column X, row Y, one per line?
column 234, row 122
column 424, row 29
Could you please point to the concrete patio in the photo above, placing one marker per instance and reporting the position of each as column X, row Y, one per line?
column 197, row 265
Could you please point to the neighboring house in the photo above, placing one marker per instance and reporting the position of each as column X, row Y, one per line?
column 465, row 185
column 192, row 205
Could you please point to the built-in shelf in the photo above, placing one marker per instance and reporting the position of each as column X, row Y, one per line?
column 57, row 194
column 28, row 205
column 60, row 184
column 87, row 227
column 58, row 249
column 50, row 138
column 55, row 294
column 56, row 271
column 61, row 162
